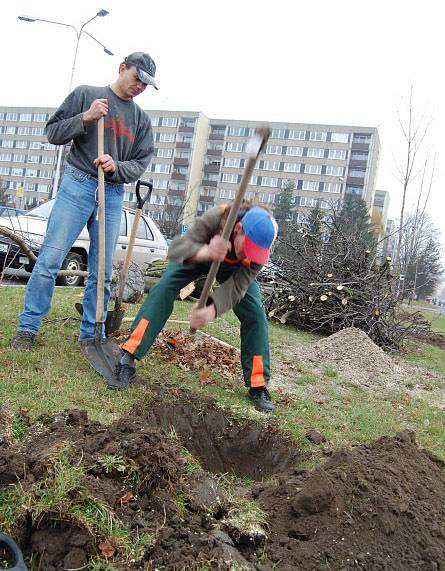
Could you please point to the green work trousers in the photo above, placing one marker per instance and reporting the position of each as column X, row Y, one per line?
column 158, row 307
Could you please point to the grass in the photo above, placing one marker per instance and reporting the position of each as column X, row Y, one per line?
column 54, row 377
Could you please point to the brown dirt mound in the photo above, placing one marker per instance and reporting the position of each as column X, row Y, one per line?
column 378, row 507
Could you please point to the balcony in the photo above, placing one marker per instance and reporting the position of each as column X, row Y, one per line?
column 206, row 182
column 212, row 168
column 181, row 145
column 180, row 162
column 184, row 129
column 358, row 164
column 214, row 152
column 360, row 146
column 177, row 176
column 210, row 199
column 355, row 181
column 216, row 136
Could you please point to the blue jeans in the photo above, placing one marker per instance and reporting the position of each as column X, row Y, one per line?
column 75, row 207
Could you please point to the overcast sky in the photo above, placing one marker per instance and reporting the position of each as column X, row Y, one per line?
column 345, row 62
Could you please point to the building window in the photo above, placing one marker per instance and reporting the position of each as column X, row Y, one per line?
column 359, row 156
column 7, row 129
column 269, row 181
column 339, row 154
column 169, row 121
column 162, row 183
column 31, row 172
column 41, row 117
column 37, row 131
column 277, row 134
column 5, row 170
column 297, row 135
column 165, row 153
column 318, row 136
column 312, row 169
column 232, row 162
column 363, row 138
column 19, row 158
column 48, row 160
column 311, row 185
column 7, row 144
column 24, row 130
column 358, row 173
column 294, row 151
column 228, row 177
column 33, row 159
column 45, row 174
column 166, row 137
column 274, row 150
column 315, row 152
column 162, row 168
column 5, row 157
column 271, row 165
column 291, row 167
column 339, row 137
column 16, row 172
column 226, row 193
column 43, row 188
column 213, row 176
column 253, row 179
column 154, row 121
column 334, row 170
column 334, row 187
column 354, row 189
column 11, row 116
column 234, row 147
column 25, row 117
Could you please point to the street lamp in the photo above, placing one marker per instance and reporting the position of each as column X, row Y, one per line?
column 79, row 32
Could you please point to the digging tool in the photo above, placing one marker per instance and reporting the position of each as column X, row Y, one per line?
column 14, row 551
column 254, row 147
column 114, row 317
column 102, row 353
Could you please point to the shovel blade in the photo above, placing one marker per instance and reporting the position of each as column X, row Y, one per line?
column 102, row 354
column 113, row 321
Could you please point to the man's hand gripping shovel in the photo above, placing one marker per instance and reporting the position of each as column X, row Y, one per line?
column 254, row 147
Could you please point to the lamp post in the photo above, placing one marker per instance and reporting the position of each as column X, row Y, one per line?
column 78, row 32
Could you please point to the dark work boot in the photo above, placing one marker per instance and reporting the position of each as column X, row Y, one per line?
column 125, row 374
column 23, row 341
column 261, row 399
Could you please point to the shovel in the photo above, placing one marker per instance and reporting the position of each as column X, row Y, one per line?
column 114, row 317
column 13, row 550
column 254, row 147
column 102, row 353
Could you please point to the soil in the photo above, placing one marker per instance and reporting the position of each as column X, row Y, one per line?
column 374, row 507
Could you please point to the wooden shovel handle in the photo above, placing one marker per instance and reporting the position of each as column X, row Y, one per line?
column 101, row 220
column 261, row 136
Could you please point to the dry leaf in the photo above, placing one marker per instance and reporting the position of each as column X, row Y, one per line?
column 107, row 548
column 128, row 497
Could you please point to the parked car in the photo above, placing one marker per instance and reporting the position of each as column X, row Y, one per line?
column 150, row 244
column 11, row 211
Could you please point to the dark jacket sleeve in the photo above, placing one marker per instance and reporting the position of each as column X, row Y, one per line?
column 230, row 292
column 66, row 123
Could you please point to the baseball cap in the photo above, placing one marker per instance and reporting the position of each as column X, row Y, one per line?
column 260, row 229
column 145, row 67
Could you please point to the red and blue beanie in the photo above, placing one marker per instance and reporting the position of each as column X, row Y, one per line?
column 260, row 229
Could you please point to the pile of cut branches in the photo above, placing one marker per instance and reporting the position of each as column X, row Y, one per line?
column 326, row 278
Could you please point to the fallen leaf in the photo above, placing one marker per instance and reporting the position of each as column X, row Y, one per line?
column 128, row 497
column 107, row 548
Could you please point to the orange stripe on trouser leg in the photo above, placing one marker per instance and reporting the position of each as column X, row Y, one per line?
column 135, row 338
column 257, row 375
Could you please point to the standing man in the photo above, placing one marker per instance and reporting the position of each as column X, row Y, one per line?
column 128, row 150
column 242, row 258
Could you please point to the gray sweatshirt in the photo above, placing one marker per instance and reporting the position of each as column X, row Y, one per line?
column 128, row 134
column 243, row 272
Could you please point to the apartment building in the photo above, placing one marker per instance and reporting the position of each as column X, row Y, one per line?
column 199, row 162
